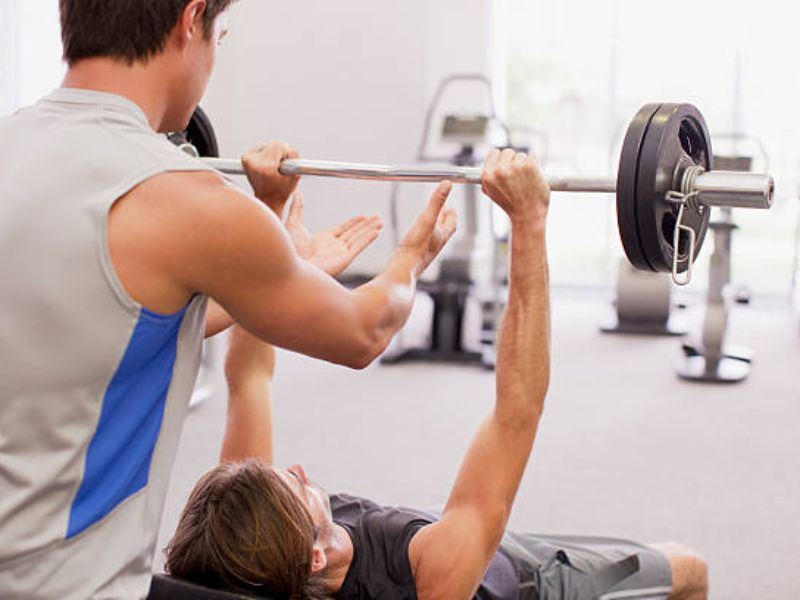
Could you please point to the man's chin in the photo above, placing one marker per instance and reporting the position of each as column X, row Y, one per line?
column 325, row 496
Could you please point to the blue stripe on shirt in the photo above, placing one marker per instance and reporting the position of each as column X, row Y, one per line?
column 119, row 455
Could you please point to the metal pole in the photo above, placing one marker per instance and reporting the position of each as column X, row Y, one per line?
column 714, row 188
column 409, row 174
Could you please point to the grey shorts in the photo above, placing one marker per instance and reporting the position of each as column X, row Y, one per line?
column 587, row 568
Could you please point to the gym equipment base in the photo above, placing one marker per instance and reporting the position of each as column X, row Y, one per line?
column 463, row 357
column 674, row 327
column 446, row 345
column 723, row 370
column 733, row 367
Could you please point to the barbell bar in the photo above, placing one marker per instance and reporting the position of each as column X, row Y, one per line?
column 665, row 185
column 714, row 188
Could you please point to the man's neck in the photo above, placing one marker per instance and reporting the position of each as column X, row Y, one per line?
column 137, row 82
column 340, row 557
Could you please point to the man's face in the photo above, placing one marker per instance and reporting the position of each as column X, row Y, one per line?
column 313, row 497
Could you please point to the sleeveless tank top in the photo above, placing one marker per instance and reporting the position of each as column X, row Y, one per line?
column 94, row 388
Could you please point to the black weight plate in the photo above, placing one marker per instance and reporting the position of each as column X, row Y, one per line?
column 200, row 134
column 676, row 138
column 627, row 178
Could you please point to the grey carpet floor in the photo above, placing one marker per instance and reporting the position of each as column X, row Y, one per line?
column 625, row 448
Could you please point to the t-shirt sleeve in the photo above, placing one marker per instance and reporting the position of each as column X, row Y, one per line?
column 387, row 535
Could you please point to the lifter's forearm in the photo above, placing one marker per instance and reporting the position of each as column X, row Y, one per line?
column 523, row 361
column 496, row 460
column 248, row 427
column 249, row 370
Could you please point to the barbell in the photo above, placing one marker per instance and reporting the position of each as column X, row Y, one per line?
column 665, row 184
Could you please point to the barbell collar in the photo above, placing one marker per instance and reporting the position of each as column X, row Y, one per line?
column 714, row 188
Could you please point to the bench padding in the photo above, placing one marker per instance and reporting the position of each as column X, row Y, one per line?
column 164, row 587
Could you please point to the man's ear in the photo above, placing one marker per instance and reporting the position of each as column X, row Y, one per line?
column 191, row 21
column 320, row 560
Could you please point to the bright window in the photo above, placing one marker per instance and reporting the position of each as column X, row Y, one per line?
column 577, row 72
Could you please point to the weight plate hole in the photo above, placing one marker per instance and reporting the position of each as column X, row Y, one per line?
column 668, row 223
column 691, row 142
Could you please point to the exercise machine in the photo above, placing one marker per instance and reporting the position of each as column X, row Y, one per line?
column 469, row 271
column 644, row 304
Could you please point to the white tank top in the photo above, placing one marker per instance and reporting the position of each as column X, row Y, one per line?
column 94, row 388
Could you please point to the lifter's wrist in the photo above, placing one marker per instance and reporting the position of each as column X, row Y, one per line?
column 529, row 213
column 244, row 388
column 528, row 232
column 528, row 255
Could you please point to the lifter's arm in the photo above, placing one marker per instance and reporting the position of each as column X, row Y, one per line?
column 449, row 558
column 180, row 234
column 250, row 363
column 249, row 370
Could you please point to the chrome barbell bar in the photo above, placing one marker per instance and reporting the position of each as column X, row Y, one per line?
column 713, row 188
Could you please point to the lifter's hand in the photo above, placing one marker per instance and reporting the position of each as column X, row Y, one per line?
column 516, row 185
column 434, row 227
column 261, row 166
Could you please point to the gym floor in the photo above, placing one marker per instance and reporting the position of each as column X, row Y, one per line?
column 625, row 448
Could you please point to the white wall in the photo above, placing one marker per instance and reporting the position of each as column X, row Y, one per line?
column 343, row 81
column 30, row 52
column 338, row 80
column 8, row 56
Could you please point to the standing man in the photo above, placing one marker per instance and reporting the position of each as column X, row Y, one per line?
column 112, row 241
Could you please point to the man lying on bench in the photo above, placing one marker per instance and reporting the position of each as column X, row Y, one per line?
column 252, row 527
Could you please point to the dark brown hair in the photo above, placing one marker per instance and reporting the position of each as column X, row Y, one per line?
column 243, row 529
column 129, row 30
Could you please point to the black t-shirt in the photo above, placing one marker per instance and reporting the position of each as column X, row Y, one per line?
column 381, row 569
